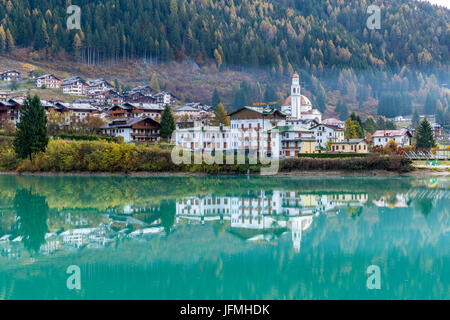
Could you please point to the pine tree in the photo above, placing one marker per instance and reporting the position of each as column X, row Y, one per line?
column 415, row 119
column 424, row 135
column 215, row 98
column 369, row 125
column 31, row 134
column 270, row 95
column 221, row 116
column 167, row 123
column 430, row 104
column 342, row 110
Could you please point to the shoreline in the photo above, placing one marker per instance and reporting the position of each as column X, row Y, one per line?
column 144, row 174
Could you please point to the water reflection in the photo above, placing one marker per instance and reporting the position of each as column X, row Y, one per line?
column 259, row 216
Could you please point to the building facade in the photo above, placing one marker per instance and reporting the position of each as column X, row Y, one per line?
column 350, row 146
column 140, row 129
column 382, row 137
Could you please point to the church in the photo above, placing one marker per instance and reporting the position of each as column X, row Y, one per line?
column 299, row 107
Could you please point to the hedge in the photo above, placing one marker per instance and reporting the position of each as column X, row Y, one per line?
column 85, row 137
column 332, row 155
column 104, row 156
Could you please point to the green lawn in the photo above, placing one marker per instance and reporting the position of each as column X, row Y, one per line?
column 443, row 162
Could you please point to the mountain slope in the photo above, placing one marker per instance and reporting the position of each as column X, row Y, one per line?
column 283, row 34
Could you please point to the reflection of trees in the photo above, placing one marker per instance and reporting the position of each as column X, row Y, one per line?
column 168, row 213
column 354, row 211
column 102, row 193
column 425, row 206
column 32, row 213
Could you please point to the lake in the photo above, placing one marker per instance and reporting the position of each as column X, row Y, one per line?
column 224, row 237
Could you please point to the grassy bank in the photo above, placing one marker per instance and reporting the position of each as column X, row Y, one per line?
column 104, row 156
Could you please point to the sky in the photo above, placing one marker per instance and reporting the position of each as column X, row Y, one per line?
column 445, row 3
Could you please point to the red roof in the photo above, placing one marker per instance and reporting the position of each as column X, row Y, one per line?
column 390, row 133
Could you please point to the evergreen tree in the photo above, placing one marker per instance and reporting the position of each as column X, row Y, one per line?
column 415, row 119
column 270, row 95
column 424, row 135
column 430, row 104
column 342, row 110
column 167, row 123
column 215, row 98
column 221, row 116
column 31, row 134
column 390, row 125
column 369, row 125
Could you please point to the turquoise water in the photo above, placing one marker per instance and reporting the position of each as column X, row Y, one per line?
column 224, row 237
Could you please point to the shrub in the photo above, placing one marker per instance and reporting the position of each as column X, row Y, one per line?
column 332, row 155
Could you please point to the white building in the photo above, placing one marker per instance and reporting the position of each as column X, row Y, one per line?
column 324, row 133
column 259, row 131
column 98, row 86
column 382, row 137
column 49, row 81
column 164, row 98
column 75, row 86
column 10, row 75
column 204, row 138
column 334, row 122
column 133, row 129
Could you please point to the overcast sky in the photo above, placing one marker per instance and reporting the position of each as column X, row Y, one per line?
column 445, row 3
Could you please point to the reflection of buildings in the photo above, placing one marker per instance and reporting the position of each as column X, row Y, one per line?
column 259, row 216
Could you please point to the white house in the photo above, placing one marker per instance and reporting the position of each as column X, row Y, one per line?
column 75, row 86
column 334, row 122
column 324, row 133
column 402, row 137
column 10, row 75
column 133, row 130
column 49, row 81
column 98, row 86
column 164, row 98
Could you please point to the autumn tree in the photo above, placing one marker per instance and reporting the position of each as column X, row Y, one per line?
column 155, row 83
column 220, row 116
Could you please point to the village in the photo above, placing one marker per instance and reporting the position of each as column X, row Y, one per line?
column 289, row 129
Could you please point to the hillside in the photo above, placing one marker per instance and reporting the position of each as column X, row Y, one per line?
column 240, row 46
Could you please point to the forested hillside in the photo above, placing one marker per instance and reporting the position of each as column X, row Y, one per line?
column 327, row 39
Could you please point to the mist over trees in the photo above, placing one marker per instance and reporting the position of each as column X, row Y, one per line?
column 326, row 41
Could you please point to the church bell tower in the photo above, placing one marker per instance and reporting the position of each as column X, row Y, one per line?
column 296, row 97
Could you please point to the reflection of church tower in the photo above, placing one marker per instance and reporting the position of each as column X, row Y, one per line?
column 296, row 233
column 296, row 97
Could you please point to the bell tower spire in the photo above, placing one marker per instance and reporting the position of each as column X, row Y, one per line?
column 296, row 97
